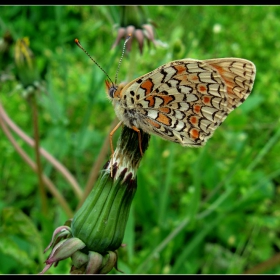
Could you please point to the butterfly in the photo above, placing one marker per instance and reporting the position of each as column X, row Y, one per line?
column 183, row 101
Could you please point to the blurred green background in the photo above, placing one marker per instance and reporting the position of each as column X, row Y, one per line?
column 213, row 210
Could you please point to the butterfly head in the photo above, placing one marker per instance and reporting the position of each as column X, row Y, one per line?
column 114, row 91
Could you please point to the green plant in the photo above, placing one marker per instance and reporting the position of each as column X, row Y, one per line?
column 209, row 210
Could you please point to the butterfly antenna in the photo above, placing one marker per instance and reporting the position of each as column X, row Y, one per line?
column 126, row 40
column 80, row 46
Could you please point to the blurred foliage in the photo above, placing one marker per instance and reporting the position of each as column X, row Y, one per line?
column 209, row 210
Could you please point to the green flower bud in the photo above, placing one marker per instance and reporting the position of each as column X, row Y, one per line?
column 27, row 71
column 109, row 262
column 94, row 264
column 64, row 249
column 79, row 259
column 133, row 15
column 100, row 222
column 98, row 227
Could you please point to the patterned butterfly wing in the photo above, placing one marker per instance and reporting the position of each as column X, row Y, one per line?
column 184, row 101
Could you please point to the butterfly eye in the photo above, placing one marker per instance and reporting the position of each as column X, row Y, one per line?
column 112, row 91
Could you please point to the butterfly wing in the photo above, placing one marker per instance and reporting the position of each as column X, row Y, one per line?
column 185, row 100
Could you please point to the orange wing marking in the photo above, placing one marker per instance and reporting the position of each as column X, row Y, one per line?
column 194, row 133
column 151, row 101
column 164, row 110
column 180, row 69
column 155, row 124
column 163, row 119
column 147, row 86
column 193, row 120
column 230, row 84
column 206, row 99
column 196, row 108
column 167, row 99
column 202, row 89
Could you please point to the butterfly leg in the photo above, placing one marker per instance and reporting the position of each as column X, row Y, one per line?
column 139, row 138
column 111, row 144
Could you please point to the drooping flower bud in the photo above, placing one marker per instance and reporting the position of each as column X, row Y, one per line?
column 134, row 22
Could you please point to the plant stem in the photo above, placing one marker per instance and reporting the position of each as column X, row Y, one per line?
column 53, row 190
column 264, row 266
column 42, row 190
column 56, row 164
